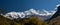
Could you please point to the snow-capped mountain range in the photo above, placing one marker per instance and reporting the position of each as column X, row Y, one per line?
column 15, row 15
column 44, row 14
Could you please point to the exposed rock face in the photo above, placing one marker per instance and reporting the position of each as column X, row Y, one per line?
column 55, row 19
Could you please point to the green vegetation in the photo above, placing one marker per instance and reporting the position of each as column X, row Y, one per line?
column 26, row 21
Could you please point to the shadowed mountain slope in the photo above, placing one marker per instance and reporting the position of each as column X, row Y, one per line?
column 55, row 19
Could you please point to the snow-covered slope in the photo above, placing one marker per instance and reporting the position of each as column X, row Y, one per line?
column 15, row 15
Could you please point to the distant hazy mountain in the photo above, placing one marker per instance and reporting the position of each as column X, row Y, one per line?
column 26, row 14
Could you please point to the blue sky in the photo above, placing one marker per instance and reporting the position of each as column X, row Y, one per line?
column 23, row 5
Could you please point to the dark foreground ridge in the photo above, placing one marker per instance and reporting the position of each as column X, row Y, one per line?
column 56, row 14
column 55, row 20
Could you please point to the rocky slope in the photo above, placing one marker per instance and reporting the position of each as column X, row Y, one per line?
column 55, row 19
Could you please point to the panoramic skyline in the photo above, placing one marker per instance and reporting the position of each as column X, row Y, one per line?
column 20, row 8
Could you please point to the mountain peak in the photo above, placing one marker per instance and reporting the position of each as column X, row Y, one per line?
column 27, row 14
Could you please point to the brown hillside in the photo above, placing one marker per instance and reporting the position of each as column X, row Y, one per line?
column 55, row 21
column 26, row 21
column 5, row 21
